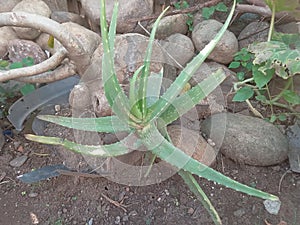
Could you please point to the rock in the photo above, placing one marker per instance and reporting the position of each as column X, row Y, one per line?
column 2, row 140
column 129, row 54
column 20, row 49
column 246, row 139
column 288, row 28
column 171, row 25
column 293, row 135
column 239, row 212
column 63, row 17
column 7, row 6
column 205, row 31
column 272, row 207
column 89, row 39
column 127, row 10
column 180, row 47
column 6, row 34
column 31, row 6
column 221, row 97
column 192, row 143
column 253, row 32
column 19, row 161
column 54, row 5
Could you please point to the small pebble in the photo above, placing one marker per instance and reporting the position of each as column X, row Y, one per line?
column 272, row 207
column 118, row 220
column 191, row 211
column 32, row 194
column 239, row 212
column 19, row 161
column 64, row 210
column 57, row 108
column 125, row 218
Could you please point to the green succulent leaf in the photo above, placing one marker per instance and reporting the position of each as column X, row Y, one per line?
column 109, row 124
column 159, row 146
column 174, row 90
column 189, row 99
column 243, row 94
column 113, row 91
column 116, row 149
column 200, row 194
column 146, row 69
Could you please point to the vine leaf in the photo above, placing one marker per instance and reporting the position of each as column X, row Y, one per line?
column 276, row 55
column 243, row 94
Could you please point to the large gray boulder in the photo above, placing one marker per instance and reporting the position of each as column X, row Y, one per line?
column 127, row 10
column 224, row 51
column 31, row 6
column 248, row 140
column 6, row 34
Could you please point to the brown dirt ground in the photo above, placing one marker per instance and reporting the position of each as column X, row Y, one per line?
column 72, row 200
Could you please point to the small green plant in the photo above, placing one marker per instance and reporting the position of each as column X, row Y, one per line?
column 11, row 92
column 207, row 12
column 261, row 62
column 146, row 119
column 6, row 65
column 190, row 19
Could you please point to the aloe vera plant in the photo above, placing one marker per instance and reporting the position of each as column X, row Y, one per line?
column 148, row 120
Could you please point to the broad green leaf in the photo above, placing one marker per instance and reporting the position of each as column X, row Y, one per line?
column 234, row 65
column 116, row 149
column 207, row 12
column 174, row 90
column 189, row 99
column 27, row 88
column 282, row 117
column 16, row 65
column 28, row 61
column 159, row 146
column 273, row 118
column 109, row 124
column 200, row 194
column 240, row 76
column 4, row 63
column 243, row 94
column 261, row 79
column 221, row 7
column 291, row 40
column 276, row 55
column 261, row 98
column 291, row 97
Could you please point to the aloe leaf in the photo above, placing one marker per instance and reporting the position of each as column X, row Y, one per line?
column 109, row 124
column 116, row 149
column 189, row 99
column 112, row 29
column 159, row 146
column 113, row 91
column 199, row 193
column 146, row 70
column 132, row 93
column 185, row 75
